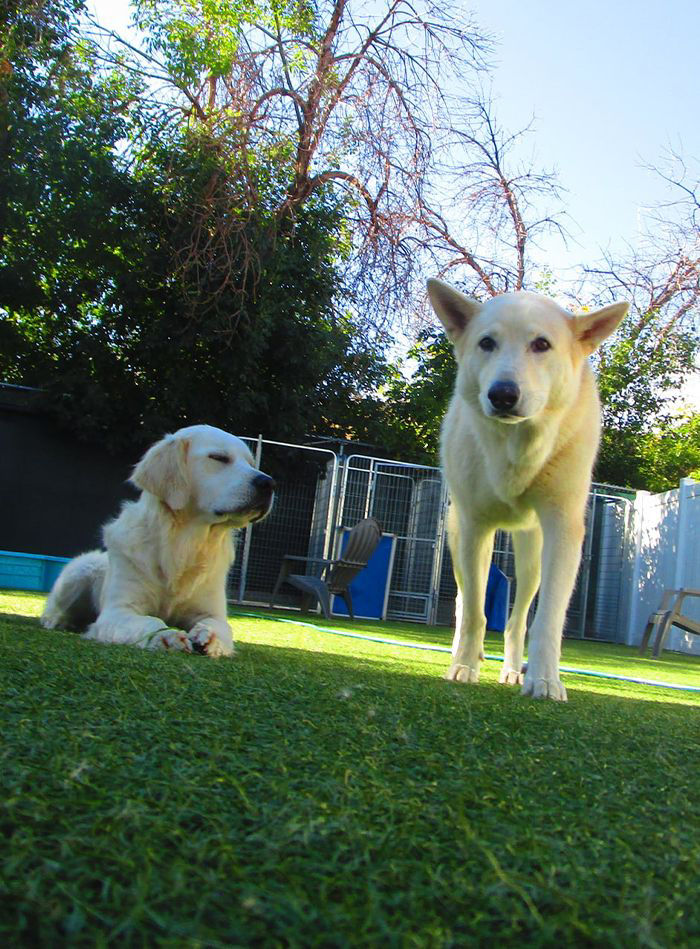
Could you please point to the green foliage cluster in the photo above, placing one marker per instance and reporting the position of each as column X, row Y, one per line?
column 97, row 307
column 204, row 38
column 645, row 442
column 662, row 457
column 416, row 396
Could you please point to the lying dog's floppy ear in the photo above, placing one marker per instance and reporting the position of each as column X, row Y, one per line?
column 453, row 308
column 592, row 328
column 163, row 471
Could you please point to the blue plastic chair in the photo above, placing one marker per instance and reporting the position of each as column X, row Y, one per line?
column 497, row 596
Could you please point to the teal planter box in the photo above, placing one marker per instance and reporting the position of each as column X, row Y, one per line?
column 29, row 571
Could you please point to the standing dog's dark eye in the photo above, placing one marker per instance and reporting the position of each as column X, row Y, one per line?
column 540, row 345
column 224, row 459
column 487, row 344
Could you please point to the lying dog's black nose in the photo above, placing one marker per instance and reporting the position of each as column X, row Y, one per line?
column 503, row 396
column 264, row 485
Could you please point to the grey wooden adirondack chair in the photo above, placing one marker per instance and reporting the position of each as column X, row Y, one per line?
column 335, row 575
column 668, row 615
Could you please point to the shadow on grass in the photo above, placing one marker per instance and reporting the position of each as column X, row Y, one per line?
column 335, row 691
column 429, row 681
column 17, row 619
column 603, row 657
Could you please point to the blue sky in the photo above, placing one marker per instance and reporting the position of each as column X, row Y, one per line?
column 612, row 84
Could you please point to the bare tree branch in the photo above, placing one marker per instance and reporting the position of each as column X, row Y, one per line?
column 383, row 101
column 661, row 276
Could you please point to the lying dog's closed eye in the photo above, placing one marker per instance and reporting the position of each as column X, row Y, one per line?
column 161, row 582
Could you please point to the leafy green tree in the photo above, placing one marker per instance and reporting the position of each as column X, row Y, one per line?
column 94, row 308
column 642, row 369
column 64, row 204
column 338, row 96
column 410, row 413
column 671, row 453
column 638, row 379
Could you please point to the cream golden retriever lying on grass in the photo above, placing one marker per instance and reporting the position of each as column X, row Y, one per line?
column 161, row 582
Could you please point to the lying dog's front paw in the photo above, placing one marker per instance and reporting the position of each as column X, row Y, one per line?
column 174, row 639
column 544, row 687
column 50, row 619
column 203, row 639
column 460, row 673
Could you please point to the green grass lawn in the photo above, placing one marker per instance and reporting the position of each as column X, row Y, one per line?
column 325, row 791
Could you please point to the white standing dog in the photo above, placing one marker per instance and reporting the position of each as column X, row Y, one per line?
column 518, row 445
column 161, row 582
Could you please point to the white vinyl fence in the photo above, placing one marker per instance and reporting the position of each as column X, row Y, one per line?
column 665, row 533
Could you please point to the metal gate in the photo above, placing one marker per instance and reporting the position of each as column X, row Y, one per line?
column 301, row 521
column 319, row 493
column 600, row 597
column 408, row 501
column 598, row 601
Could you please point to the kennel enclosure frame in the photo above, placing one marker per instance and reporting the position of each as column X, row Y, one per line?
column 322, row 491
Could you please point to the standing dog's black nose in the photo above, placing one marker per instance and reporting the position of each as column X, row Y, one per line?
column 264, row 485
column 503, row 396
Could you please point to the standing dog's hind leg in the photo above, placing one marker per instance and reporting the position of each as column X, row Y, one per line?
column 527, row 547
column 561, row 553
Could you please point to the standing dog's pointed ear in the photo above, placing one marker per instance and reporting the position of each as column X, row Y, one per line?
column 163, row 471
column 592, row 328
column 453, row 308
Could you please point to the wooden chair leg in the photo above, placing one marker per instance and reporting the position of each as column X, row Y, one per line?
column 325, row 601
column 285, row 570
column 647, row 634
column 275, row 590
column 662, row 635
column 347, row 596
column 307, row 602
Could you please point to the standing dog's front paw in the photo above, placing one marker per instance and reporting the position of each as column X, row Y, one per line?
column 204, row 639
column 544, row 687
column 460, row 673
column 509, row 676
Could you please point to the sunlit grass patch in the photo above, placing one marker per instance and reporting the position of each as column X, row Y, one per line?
column 319, row 790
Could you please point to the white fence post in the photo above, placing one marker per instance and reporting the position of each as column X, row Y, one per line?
column 682, row 538
column 665, row 556
column 684, row 573
column 633, row 620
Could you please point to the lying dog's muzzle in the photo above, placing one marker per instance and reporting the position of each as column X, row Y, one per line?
column 260, row 505
column 264, row 487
